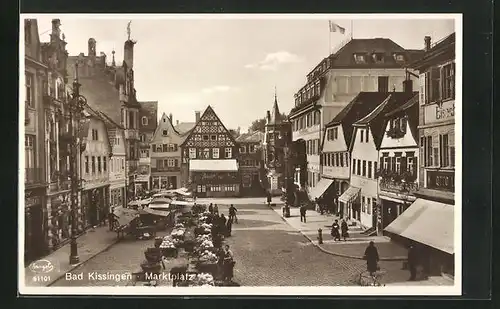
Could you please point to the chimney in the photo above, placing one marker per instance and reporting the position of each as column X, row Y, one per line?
column 197, row 116
column 56, row 31
column 408, row 86
column 427, row 40
column 171, row 118
column 128, row 55
column 177, row 122
column 92, row 45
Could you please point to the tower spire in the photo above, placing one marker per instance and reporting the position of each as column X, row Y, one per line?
column 113, row 63
column 275, row 112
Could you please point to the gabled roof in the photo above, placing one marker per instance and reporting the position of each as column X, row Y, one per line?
column 375, row 120
column 91, row 113
column 209, row 109
column 251, row 137
column 358, row 108
column 441, row 47
column 165, row 123
column 411, row 110
column 185, row 127
column 404, row 107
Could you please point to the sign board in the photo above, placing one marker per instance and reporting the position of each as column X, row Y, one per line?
column 440, row 180
column 439, row 112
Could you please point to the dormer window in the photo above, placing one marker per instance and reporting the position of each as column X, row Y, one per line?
column 399, row 57
column 360, row 58
column 165, row 132
column 378, row 57
column 144, row 120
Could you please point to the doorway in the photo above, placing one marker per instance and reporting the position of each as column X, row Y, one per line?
column 383, row 84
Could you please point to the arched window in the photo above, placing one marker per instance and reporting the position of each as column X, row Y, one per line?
column 144, row 120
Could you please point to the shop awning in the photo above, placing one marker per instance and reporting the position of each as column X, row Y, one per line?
column 320, row 188
column 427, row 222
column 349, row 195
column 223, row 165
column 155, row 212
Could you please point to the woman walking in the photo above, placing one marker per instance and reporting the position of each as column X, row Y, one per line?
column 335, row 230
column 372, row 258
column 345, row 229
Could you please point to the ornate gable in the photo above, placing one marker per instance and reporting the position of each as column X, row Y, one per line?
column 210, row 132
column 164, row 125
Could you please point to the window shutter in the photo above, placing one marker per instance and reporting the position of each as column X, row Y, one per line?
column 403, row 164
column 423, row 89
column 403, row 124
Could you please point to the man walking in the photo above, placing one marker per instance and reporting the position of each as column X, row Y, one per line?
column 412, row 262
column 303, row 213
column 232, row 213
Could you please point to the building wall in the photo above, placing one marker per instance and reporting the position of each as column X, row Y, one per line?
column 117, row 176
column 98, row 149
column 365, row 152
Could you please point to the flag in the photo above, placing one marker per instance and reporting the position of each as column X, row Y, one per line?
column 335, row 27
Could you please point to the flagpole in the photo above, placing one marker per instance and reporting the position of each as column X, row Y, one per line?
column 329, row 37
column 352, row 29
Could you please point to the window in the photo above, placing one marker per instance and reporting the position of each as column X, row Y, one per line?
column 368, row 205
column 95, row 135
column 123, row 164
column 164, row 132
column 213, row 137
column 205, row 137
column 86, row 164
column 359, row 168
column 192, row 153
column 375, row 167
column 131, row 120
column 215, row 153
column 142, row 137
column 337, row 159
column 93, row 165
column 144, row 120
column 369, row 169
column 251, row 148
column 398, row 165
column 383, row 84
column 170, row 162
column 363, row 205
column 111, row 165
column 444, row 151
column 378, row 57
column 335, row 133
column 205, row 154
column 428, row 151
column 362, row 135
column 104, row 165
column 364, row 168
column 399, row 57
column 29, row 89
column 99, row 164
column 452, row 156
column 359, row 58
column 434, row 84
column 367, row 135
column 448, row 72
column 354, row 166
column 159, row 147
column 228, row 152
column 29, row 151
column 243, row 149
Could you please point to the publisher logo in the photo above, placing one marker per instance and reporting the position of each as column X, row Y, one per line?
column 41, row 267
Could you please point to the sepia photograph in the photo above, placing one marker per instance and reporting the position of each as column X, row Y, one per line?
column 227, row 154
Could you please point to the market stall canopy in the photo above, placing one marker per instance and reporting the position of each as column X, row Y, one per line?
column 183, row 191
column 155, row 212
column 349, row 194
column 321, row 188
column 125, row 215
column 160, row 203
column 223, row 165
column 427, row 222
column 145, row 201
column 134, row 203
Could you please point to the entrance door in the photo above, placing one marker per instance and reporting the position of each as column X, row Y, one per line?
column 172, row 182
column 201, row 190
column 383, row 84
column 33, row 235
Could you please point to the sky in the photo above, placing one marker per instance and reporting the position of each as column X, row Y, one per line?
column 233, row 63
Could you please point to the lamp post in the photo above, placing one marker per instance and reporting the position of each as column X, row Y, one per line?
column 75, row 106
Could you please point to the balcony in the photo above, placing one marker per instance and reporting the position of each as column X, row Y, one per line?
column 398, row 187
column 33, row 175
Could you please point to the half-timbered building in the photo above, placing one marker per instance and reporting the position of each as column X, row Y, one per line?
column 210, row 152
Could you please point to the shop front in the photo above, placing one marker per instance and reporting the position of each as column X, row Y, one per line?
column 95, row 206
column 250, row 183
column 165, row 181
column 59, row 219
column 216, row 184
column 35, row 244
column 350, row 204
column 117, row 195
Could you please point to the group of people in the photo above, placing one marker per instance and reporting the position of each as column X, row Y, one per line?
column 225, row 261
column 329, row 207
column 339, row 231
column 220, row 223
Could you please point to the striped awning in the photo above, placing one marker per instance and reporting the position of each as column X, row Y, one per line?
column 427, row 222
column 320, row 188
column 349, row 194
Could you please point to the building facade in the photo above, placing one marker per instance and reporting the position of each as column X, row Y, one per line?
column 35, row 211
column 336, row 151
column 211, row 151
column 360, row 65
column 397, row 172
column 166, row 155
column 148, row 115
column 95, row 195
column 429, row 221
column 251, row 163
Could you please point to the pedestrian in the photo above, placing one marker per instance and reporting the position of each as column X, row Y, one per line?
column 111, row 218
column 412, row 262
column 372, row 258
column 216, row 209
column 345, row 229
column 229, row 227
column 335, row 230
column 215, row 236
column 232, row 213
column 269, row 199
column 211, row 208
column 222, row 224
column 303, row 213
column 228, row 264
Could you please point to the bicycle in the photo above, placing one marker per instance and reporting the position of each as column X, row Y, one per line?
column 367, row 279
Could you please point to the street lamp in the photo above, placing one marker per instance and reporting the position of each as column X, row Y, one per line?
column 75, row 106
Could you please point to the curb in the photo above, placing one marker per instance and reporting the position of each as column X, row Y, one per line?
column 396, row 258
column 83, row 262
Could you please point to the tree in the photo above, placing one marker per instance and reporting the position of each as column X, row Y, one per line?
column 260, row 124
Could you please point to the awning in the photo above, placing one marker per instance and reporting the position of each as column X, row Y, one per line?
column 320, row 188
column 125, row 215
column 349, row 195
column 149, row 211
column 223, row 165
column 427, row 222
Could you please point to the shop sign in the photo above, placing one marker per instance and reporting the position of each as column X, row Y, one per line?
column 440, row 180
column 440, row 112
column 30, row 200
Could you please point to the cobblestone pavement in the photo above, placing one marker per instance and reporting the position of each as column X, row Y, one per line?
column 268, row 252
